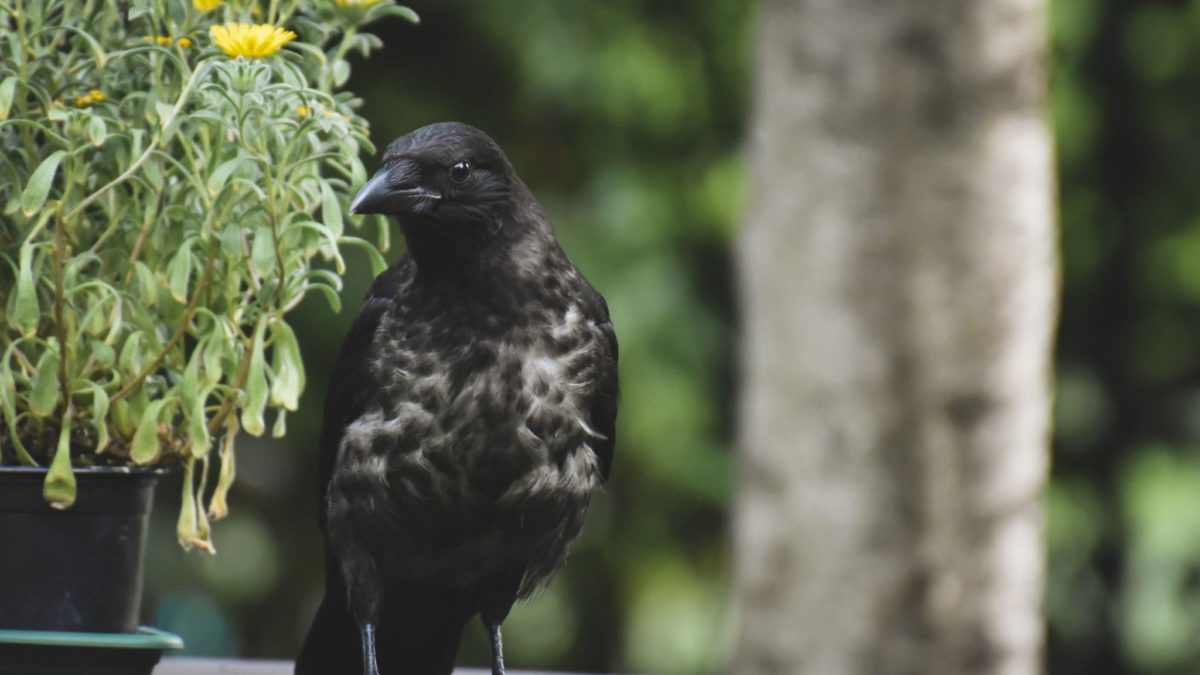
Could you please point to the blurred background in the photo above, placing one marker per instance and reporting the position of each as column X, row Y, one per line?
column 627, row 118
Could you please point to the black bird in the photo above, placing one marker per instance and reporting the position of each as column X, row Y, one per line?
column 470, row 418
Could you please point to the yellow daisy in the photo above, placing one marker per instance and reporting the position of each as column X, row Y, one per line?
column 251, row 41
column 205, row 5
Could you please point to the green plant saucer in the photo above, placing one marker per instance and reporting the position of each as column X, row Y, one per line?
column 35, row 652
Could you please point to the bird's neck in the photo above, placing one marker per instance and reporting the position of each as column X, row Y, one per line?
column 478, row 258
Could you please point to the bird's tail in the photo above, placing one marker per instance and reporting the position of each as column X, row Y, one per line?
column 418, row 633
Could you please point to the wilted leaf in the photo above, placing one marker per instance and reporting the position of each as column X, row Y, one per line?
column 256, row 384
column 146, row 446
column 279, row 429
column 198, row 437
column 218, row 506
column 59, row 488
column 287, row 366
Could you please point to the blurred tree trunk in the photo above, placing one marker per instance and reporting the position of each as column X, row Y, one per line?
column 898, row 275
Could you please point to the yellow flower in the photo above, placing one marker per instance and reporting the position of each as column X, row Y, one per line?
column 252, row 42
column 83, row 101
column 302, row 111
column 205, row 5
column 184, row 42
column 96, row 95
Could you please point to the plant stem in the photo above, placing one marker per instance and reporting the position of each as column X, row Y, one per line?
column 60, row 258
column 227, row 405
column 137, row 164
column 184, row 322
column 273, row 211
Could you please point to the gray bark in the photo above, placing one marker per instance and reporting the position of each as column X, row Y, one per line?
column 898, row 273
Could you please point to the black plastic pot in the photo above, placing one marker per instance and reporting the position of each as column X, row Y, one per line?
column 78, row 569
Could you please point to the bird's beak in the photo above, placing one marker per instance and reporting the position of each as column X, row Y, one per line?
column 377, row 196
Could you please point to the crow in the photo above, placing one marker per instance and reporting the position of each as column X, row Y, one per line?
column 470, row 417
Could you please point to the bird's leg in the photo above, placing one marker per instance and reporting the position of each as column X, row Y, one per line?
column 364, row 595
column 493, row 628
column 370, row 666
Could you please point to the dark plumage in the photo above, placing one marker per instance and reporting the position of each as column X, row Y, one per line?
column 470, row 418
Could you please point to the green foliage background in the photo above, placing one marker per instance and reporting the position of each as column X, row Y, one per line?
column 627, row 118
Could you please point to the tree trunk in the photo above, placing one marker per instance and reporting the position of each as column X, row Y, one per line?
column 898, row 275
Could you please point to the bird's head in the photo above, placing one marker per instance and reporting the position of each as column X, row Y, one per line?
column 442, row 174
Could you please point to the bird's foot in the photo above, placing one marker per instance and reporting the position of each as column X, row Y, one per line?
column 370, row 666
column 497, row 647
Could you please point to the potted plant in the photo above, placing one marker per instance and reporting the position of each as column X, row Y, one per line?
column 170, row 173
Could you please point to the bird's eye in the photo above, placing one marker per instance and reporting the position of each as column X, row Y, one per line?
column 460, row 172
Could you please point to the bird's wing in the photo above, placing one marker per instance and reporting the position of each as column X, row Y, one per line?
column 350, row 385
column 603, row 408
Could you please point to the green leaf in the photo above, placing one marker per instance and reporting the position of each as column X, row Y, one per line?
column 166, row 115
column 378, row 264
column 401, row 11
column 8, row 393
column 331, row 210
column 256, row 384
column 341, row 71
column 214, row 350
column 8, row 398
column 122, row 417
column 279, row 429
column 262, row 252
column 59, row 488
column 146, row 446
column 209, row 116
column 331, row 296
column 221, row 174
column 7, row 89
column 137, row 139
column 38, row 187
column 179, row 271
column 147, row 283
column 104, row 354
column 287, row 366
column 100, row 415
column 95, row 322
column 131, row 356
column 44, row 396
column 96, row 130
column 26, row 314
column 198, row 437
column 231, row 242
